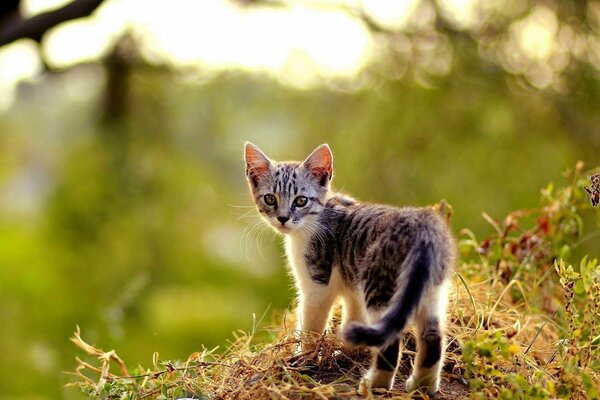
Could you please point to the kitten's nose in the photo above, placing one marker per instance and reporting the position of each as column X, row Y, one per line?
column 283, row 219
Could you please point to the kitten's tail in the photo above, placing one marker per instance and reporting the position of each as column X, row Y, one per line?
column 419, row 264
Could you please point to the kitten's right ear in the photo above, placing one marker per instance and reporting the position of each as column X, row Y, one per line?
column 257, row 163
column 320, row 164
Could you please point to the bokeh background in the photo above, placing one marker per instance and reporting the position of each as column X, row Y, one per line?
column 123, row 203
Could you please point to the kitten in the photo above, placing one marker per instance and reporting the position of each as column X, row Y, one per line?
column 386, row 264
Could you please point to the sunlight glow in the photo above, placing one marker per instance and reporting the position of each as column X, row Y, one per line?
column 33, row 7
column 18, row 61
column 223, row 36
column 304, row 43
column 216, row 34
column 536, row 34
column 77, row 41
column 462, row 13
column 533, row 49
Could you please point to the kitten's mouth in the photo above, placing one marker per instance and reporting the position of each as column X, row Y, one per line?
column 284, row 229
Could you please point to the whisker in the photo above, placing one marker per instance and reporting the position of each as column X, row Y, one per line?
column 315, row 232
column 239, row 206
column 249, row 213
column 254, row 235
column 247, row 236
column 263, row 231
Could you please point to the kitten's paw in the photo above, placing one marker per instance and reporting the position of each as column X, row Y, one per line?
column 364, row 386
column 413, row 384
column 377, row 379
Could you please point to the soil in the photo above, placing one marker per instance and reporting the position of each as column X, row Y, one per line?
column 345, row 371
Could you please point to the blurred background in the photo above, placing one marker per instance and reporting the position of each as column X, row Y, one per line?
column 123, row 202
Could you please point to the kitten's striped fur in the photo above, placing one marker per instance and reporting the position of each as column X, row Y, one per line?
column 386, row 264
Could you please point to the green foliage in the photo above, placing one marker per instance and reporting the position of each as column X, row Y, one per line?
column 130, row 229
column 528, row 260
column 489, row 366
column 581, row 368
column 524, row 245
column 497, row 367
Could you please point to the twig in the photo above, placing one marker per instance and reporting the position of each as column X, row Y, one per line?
column 36, row 26
column 538, row 333
column 155, row 374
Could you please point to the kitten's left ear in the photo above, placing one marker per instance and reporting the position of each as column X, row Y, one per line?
column 320, row 163
column 257, row 163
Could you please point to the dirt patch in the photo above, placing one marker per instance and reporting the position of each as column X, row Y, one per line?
column 345, row 368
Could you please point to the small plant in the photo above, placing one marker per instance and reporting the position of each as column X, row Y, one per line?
column 497, row 366
column 579, row 371
column 492, row 367
column 521, row 276
column 528, row 241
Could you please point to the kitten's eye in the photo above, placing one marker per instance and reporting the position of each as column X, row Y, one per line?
column 300, row 201
column 270, row 200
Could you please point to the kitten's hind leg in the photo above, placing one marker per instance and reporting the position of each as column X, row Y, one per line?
column 384, row 366
column 429, row 319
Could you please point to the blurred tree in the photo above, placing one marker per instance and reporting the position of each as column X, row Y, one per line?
column 548, row 50
column 13, row 26
column 119, row 64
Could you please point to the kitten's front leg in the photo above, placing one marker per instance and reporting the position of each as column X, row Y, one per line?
column 315, row 302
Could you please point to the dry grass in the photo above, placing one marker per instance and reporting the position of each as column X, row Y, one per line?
column 277, row 370
column 251, row 371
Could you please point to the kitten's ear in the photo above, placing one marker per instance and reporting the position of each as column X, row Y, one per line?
column 257, row 163
column 320, row 163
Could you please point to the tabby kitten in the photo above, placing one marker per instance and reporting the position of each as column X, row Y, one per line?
column 386, row 264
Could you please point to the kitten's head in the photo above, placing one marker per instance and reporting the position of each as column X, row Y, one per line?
column 289, row 195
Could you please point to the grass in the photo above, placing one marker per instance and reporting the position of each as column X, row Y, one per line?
column 523, row 324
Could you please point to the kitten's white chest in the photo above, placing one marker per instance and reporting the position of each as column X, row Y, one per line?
column 295, row 249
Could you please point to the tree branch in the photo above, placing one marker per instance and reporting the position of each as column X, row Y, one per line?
column 36, row 26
